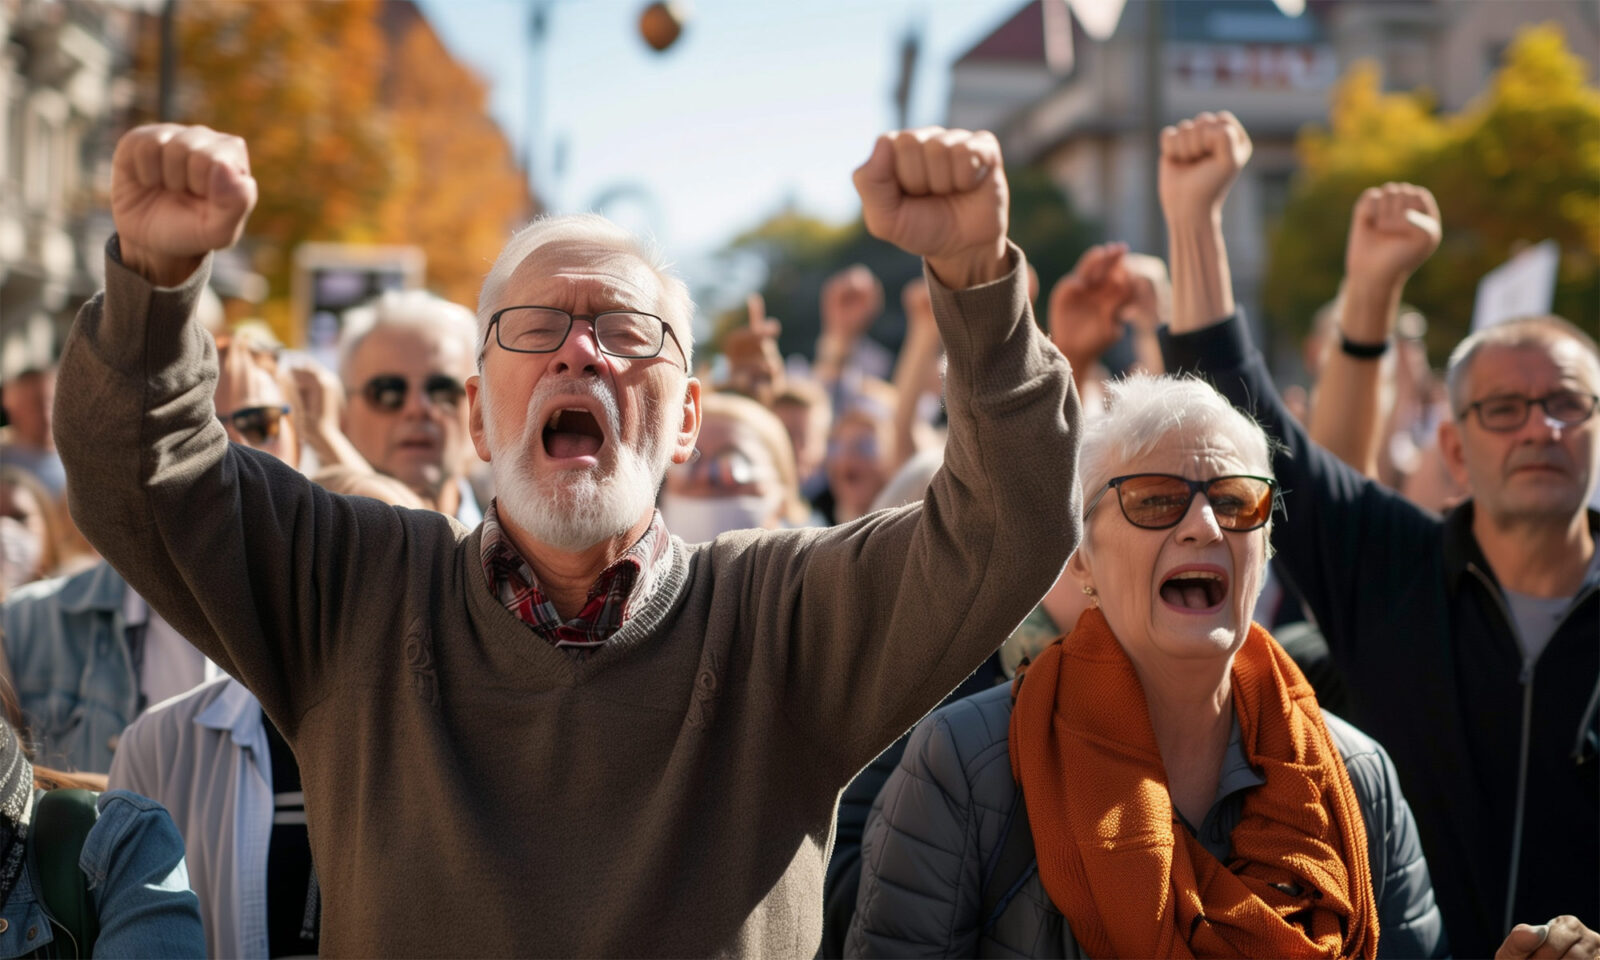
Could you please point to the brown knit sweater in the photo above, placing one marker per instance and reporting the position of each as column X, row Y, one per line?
column 474, row 791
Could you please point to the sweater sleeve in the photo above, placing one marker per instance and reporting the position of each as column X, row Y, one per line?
column 1342, row 536
column 247, row 558
column 871, row 623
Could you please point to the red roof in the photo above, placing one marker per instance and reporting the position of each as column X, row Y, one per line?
column 1021, row 38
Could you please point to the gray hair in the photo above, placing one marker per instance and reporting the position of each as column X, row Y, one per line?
column 412, row 309
column 1534, row 331
column 676, row 307
column 1142, row 411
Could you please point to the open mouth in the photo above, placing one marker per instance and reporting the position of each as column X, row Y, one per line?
column 1195, row 590
column 572, row 432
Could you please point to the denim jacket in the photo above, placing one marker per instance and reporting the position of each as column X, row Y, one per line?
column 65, row 640
column 133, row 858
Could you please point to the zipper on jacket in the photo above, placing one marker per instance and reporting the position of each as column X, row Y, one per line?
column 1594, row 698
column 1526, row 679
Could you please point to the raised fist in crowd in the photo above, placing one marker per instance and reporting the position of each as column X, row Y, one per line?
column 1086, row 305
column 1200, row 159
column 1393, row 229
column 178, row 193
column 941, row 195
column 851, row 300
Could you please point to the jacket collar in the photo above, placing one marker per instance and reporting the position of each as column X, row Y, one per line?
column 237, row 712
column 98, row 588
column 1461, row 548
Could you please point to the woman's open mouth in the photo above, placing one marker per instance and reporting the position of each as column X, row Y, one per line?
column 1197, row 590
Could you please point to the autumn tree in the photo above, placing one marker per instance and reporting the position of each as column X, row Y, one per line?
column 362, row 129
column 1519, row 165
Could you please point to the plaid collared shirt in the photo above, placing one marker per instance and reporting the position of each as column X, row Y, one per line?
column 620, row 589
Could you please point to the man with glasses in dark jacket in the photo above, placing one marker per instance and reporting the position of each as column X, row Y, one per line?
column 1470, row 643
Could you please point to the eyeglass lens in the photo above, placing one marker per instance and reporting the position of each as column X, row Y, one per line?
column 1503, row 414
column 1156, row 501
column 388, row 392
column 544, row 330
column 256, row 424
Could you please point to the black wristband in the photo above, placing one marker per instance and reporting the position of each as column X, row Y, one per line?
column 1362, row 351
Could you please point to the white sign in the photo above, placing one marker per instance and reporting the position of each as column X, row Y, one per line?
column 1523, row 285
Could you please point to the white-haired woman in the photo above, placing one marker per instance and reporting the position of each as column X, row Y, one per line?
column 1161, row 781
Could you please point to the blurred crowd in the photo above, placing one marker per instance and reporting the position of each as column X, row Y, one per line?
column 1431, row 577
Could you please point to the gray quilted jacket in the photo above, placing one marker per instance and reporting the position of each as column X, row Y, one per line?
column 939, row 825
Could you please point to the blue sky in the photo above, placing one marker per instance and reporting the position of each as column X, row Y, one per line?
column 757, row 105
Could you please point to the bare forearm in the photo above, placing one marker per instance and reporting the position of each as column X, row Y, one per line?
column 911, row 377
column 1202, row 285
column 1346, row 414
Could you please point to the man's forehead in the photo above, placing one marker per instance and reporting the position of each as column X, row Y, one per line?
column 403, row 347
column 1500, row 368
column 568, row 270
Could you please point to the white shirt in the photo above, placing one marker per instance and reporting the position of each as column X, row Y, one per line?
column 204, row 756
column 171, row 664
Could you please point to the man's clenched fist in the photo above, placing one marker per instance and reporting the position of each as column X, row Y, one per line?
column 1394, row 229
column 941, row 195
column 178, row 193
column 1200, row 159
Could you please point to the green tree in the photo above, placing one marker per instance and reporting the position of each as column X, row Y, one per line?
column 1518, row 165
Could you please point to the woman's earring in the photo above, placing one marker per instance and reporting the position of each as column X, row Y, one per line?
column 1094, row 598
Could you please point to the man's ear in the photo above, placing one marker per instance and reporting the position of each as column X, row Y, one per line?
column 1453, row 452
column 689, row 427
column 475, row 404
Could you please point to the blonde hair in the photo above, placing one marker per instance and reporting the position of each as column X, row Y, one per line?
column 770, row 431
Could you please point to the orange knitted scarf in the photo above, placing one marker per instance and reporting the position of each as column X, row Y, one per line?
column 1129, row 878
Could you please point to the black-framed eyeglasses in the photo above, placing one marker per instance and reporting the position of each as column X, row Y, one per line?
column 627, row 334
column 387, row 392
column 1159, row 501
column 1507, row 413
column 257, row 425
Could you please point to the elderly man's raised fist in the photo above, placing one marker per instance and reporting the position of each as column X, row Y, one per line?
column 178, row 193
column 941, row 195
column 1200, row 159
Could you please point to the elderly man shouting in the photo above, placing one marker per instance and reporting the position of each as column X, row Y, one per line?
column 566, row 732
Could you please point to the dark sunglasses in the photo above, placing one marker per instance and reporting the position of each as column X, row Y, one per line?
column 256, row 424
column 1158, row 501
column 388, row 392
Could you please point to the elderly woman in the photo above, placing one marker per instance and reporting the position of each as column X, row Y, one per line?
column 1161, row 781
column 742, row 477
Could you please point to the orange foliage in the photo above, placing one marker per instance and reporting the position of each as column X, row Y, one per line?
column 362, row 129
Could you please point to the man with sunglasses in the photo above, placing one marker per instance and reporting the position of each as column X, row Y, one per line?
column 403, row 359
column 568, row 732
column 1470, row 644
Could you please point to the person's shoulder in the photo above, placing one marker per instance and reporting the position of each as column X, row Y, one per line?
column 1365, row 759
column 964, row 746
column 171, row 717
column 129, row 826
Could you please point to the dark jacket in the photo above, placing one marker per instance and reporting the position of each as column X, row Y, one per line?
column 932, row 854
column 1495, row 754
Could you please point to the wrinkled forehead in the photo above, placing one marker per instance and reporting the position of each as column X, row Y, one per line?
column 583, row 277
column 1196, row 454
column 1532, row 368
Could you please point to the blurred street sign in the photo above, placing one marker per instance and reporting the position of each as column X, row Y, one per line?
column 1523, row 285
column 330, row 278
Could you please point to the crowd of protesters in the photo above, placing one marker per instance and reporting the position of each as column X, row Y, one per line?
column 521, row 633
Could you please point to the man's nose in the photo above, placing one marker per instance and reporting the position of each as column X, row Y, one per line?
column 580, row 352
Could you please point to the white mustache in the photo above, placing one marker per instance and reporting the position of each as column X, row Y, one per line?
column 548, row 390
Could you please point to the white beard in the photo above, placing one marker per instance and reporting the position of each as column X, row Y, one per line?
column 575, row 509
